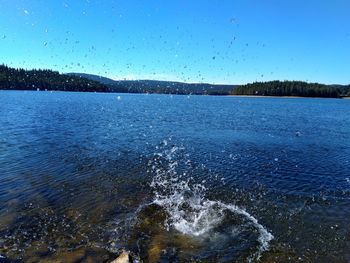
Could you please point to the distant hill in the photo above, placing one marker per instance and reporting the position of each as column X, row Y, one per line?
column 103, row 80
column 21, row 79
column 157, row 86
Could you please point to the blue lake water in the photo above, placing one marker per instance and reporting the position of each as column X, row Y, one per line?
column 173, row 178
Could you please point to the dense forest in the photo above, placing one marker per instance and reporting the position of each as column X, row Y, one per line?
column 160, row 87
column 292, row 88
column 20, row 79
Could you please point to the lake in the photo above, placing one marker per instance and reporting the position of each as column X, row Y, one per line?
column 173, row 178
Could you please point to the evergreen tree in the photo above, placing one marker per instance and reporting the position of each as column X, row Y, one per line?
column 20, row 79
column 292, row 88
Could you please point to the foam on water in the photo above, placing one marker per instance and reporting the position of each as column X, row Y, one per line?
column 190, row 212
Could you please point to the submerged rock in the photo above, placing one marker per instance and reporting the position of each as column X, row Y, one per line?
column 123, row 258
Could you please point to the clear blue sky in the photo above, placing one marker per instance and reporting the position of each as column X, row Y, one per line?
column 217, row 41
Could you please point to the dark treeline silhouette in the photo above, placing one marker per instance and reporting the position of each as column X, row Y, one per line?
column 170, row 87
column 159, row 87
column 20, row 79
column 292, row 88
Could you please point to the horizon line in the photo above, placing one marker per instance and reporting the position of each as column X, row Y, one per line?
column 180, row 81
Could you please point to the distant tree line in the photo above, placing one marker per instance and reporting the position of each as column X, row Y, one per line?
column 292, row 88
column 20, row 79
column 159, row 87
column 168, row 87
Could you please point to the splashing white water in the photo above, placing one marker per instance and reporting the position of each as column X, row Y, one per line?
column 190, row 212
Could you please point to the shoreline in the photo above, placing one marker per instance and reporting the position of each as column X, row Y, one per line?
column 286, row 97
column 145, row 93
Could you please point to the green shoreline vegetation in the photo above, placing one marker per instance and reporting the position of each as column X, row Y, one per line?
column 292, row 89
column 38, row 79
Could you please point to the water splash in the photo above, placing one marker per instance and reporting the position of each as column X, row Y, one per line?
column 190, row 212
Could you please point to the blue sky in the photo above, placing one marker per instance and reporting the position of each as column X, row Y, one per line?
column 217, row 41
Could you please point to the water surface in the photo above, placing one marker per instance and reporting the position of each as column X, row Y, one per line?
column 173, row 178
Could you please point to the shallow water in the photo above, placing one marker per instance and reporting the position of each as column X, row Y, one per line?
column 173, row 178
